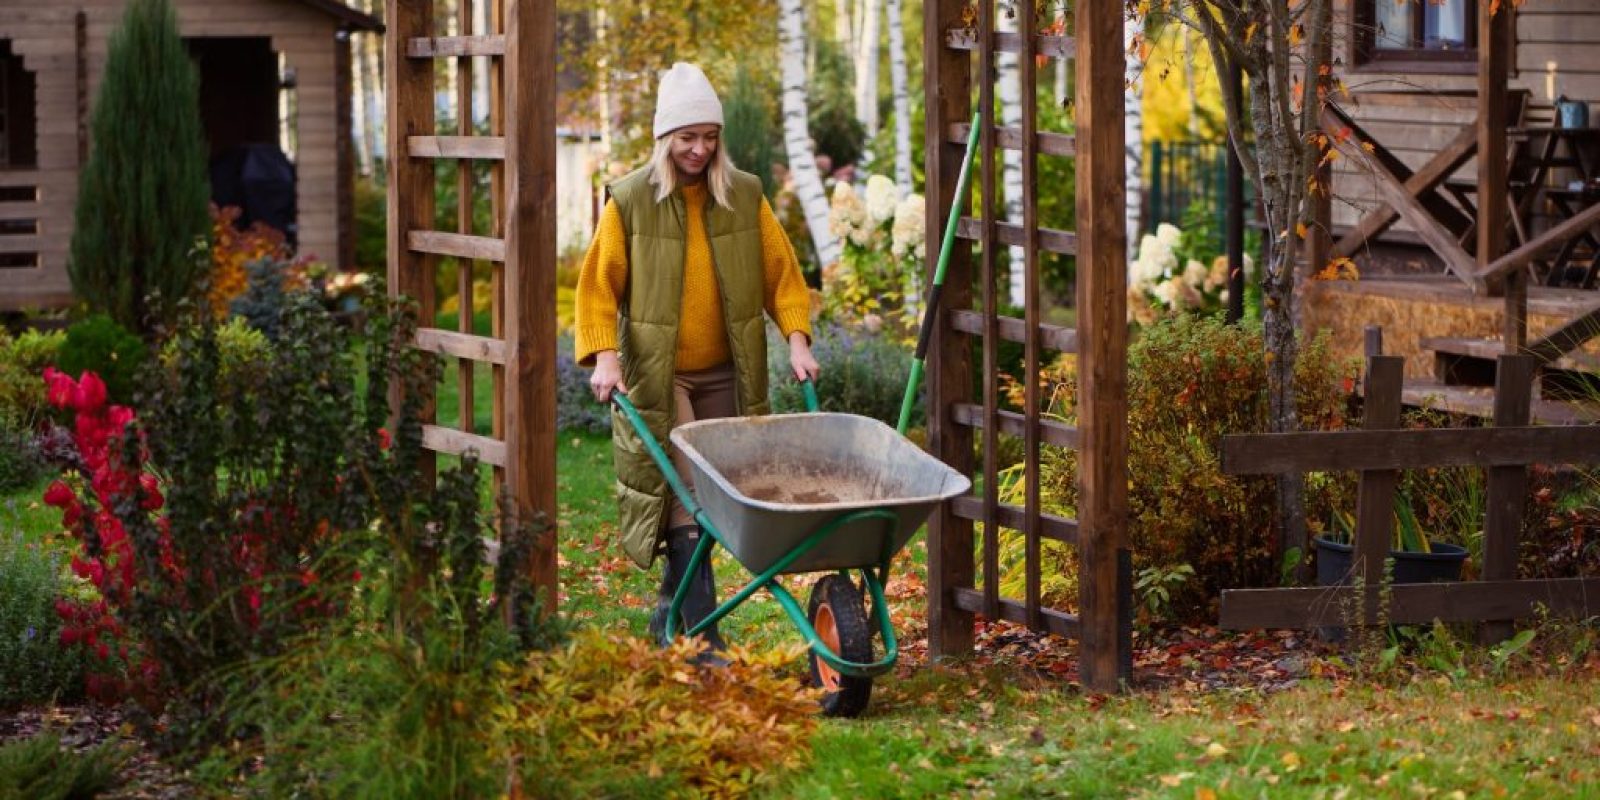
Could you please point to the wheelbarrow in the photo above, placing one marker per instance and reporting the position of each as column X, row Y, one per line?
column 800, row 493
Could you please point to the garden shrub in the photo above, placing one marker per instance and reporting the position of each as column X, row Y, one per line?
column 232, row 249
column 861, row 373
column 394, row 699
column 243, row 354
column 1191, row 381
column 218, row 527
column 21, row 463
column 101, row 345
column 22, row 362
column 270, row 285
column 39, row 768
column 142, row 195
column 614, row 716
column 34, row 667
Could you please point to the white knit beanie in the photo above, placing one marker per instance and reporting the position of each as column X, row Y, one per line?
column 685, row 98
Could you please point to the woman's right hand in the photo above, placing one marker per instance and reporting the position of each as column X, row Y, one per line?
column 607, row 376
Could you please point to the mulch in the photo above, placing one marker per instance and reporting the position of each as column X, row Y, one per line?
column 81, row 728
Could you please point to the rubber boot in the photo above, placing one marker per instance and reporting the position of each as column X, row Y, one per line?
column 701, row 599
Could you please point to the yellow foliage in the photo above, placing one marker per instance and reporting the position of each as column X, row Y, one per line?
column 1168, row 111
column 612, row 715
column 233, row 249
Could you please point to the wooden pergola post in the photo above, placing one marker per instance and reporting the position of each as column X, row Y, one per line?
column 521, row 345
column 948, row 95
column 1105, row 572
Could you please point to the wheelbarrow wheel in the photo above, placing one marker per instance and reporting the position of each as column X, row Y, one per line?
column 839, row 616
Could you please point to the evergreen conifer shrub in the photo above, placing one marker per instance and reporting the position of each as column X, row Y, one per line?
column 142, row 196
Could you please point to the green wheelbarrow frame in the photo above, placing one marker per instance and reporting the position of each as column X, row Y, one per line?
column 873, row 577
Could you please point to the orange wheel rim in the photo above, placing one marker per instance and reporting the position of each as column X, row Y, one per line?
column 828, row 631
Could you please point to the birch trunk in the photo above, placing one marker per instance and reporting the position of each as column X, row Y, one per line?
column 796, row 133
column 358, row 108
column 1008, row 90
column 867, row 68
column 844, row 25
column 1133, row 133
column 901, row 98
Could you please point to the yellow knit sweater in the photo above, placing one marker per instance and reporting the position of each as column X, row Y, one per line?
column 702, row 336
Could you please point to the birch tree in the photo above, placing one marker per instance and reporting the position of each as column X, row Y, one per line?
column 796, row 133
column 1008, row 90
column 866, row 58
column 1133, row 127
column 901, row 98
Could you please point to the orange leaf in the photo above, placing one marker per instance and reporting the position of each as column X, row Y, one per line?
column 1297, row 34
column 1300, row 229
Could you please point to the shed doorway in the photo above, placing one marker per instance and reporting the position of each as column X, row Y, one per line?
column 241, row 91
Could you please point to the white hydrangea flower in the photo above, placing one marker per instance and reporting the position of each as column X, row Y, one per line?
column 910, row 228
column 1195, row 273
column 1155, row 259
column 845, row 212
column 882, row 197
column 1169, row 292
column 1168, row 234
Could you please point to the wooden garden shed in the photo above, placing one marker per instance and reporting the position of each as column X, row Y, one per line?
column 273, row 74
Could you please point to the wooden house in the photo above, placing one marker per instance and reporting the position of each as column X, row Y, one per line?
column 272, row 72
column 1459, row 263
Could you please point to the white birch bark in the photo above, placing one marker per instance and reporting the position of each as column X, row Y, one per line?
column 1008, row 89
column 901, row 98
column 844, row 25
column 796, row 135
column 603, row 69
column 1133, row 130
column 358, row 107
column 867, row 67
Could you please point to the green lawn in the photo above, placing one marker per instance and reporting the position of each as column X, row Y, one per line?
column 998, row 729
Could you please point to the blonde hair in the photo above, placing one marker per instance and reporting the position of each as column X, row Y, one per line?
column 664, row 174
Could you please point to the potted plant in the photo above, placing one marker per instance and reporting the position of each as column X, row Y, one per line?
column 1416, row 559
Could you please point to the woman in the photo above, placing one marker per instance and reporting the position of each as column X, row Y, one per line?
column 670, row 302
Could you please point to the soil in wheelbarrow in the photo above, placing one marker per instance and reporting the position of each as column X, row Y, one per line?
column 809, row 484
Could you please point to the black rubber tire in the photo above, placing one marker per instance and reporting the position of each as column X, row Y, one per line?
column 844, row 602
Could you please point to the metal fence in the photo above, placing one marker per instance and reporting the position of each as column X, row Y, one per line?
column 1184, row 174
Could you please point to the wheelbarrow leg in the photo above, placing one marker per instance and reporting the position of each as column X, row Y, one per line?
column 701, row 597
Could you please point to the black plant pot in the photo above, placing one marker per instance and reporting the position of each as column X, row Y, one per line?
column 1443, row 564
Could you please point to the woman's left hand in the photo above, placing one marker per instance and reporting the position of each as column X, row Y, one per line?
column 800, row 358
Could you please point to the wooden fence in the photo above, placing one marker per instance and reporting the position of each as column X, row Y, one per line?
column 1379, row 451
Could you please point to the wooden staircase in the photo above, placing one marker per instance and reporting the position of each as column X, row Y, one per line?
column 1566, row 391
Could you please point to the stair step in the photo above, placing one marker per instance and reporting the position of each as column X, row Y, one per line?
column 1490, row 349
column 1478, row 401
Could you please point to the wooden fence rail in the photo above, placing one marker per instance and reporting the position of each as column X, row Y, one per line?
column 1379, row 452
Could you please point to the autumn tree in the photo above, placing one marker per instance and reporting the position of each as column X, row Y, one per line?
column 1282, row 48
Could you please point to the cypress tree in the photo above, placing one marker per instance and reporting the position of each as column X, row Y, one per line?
column 142, row 197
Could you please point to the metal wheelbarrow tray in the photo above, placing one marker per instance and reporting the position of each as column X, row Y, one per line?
column 767, row 483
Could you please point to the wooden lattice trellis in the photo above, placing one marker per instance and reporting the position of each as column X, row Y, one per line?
column 1103, row 623
column 520, row 350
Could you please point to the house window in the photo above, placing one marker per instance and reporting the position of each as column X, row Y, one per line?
column 1416, row 33
column 18, row 128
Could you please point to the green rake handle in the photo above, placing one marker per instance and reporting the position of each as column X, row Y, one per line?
column 928, row 314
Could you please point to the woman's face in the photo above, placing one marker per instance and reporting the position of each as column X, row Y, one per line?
column 693, row 147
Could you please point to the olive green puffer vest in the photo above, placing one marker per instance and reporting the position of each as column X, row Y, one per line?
column 647, row 332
